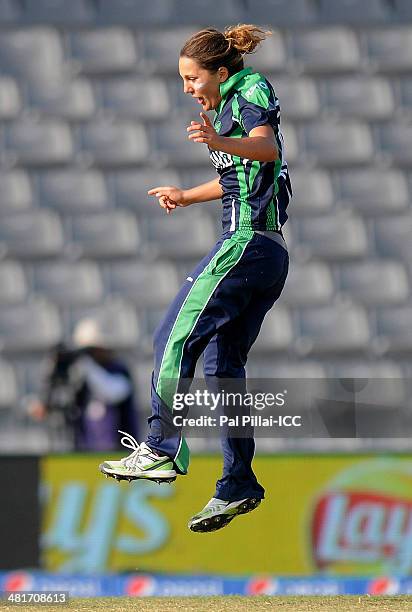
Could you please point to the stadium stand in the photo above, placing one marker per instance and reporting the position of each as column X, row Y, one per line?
column 92, row 115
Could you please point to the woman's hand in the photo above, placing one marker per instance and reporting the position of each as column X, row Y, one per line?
column 169, row 197
column 204, row 132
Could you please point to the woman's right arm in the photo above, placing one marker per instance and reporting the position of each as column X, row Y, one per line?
column 170, row 197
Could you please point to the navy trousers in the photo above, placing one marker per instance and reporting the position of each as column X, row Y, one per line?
column 218, row 311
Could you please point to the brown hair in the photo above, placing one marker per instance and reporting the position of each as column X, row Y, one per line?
column 212, row 49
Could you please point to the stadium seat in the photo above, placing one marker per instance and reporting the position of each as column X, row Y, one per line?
column 324, row 50
column 114, row 144
column 142, row 374
column 355, row 12
column 104, row 50
column 298, row 97
column 364, row 191
column 291, row 151
column 199, row 12
column 31, row 234
column 117, row 319
column 73, row 100
column 15, row 191
column 28, row 53
column 394, row 329
column 8, row 387
column 390, row 50
column 38, row 143
column 312, row 191
column 66, row 283
column 327, row 143
column 405, row 87
column 186, row 233
column 10, row 103
column 136, row 98
column 110, row 234
column 392, row 238
column 308, row 284
column 132, row 13
column 335, row 236
column 278, row 368
column 171, row 144
column 281, row 13
column 277, row 332
column 395, row 140
column 12, row 282
column 146, row 285
column 29, row 327
column 359, row 97
column 131, row 187
column 271, row 56
column 73, row 191
column 403, row 10
column 56, row 12
column 375, row 282
column 159, row 49
column 10, row 12
column 333, row 329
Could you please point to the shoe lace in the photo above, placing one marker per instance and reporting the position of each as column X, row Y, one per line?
column 130, row 442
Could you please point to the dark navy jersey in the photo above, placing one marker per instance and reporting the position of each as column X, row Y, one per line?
column 255, row 194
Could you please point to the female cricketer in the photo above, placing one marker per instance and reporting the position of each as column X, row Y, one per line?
column 220, row 307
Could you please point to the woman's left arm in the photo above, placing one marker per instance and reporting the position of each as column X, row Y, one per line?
column 260, row 145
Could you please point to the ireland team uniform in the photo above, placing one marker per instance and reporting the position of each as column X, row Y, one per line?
column 220, row 307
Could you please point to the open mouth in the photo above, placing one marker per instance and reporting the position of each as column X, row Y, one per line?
column 201, row 101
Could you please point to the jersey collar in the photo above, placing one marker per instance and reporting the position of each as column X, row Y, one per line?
column 230, row 83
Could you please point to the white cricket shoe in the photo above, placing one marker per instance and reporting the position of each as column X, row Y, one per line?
column 218, row 513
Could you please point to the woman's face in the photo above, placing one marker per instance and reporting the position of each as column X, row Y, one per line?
column 202, row 84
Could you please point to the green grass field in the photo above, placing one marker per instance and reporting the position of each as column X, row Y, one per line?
column 228, row 604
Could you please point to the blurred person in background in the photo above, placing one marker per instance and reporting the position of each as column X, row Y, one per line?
column 221, row 306
column 91, row 387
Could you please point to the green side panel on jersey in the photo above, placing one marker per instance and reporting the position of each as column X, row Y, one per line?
column 182, row 458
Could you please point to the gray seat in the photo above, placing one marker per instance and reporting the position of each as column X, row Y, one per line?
column 28, row 53
column 131, row 187
column 160, row 49
column 110, row 234
column 39, row 142
column 8, row 387
column 392, row 238
column 356, row 12
column 67, row 100
column 184, row 234
column 364, row 191
column 196, row 12
column 154, row 284
column 56, row 12
column 394, row 329
column 10, row 103
column 281, row 13
column 308, row 284
column 115, row 144
column 171, row 144
column 142, row 374
column 31, row 234
column 405, row 86
column 375, row 282
column 328, row 142
column 403, row 10
column 132, row 13
column 298, row 97
column 277, row 332
column 105, row 50
column 333, row 237
column 360, row 97
column 117, row 319
column 12, row 282
column 15, row 191
column 291, row 151
column 312, row 191
column 73, row 191
column 278, row 368
column 333, row 49
column 333, row 329
column 390, row 50
column 10, row 12
column 395, row 140
column 29, row 327
column 67, row 283
column 136, row 98
column 270, row 56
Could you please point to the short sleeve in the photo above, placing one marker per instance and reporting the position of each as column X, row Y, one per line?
column 253, row 115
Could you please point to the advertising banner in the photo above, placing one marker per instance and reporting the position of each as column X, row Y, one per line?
column 334, row 515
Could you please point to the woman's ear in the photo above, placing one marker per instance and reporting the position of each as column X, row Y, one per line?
column 223, row 74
